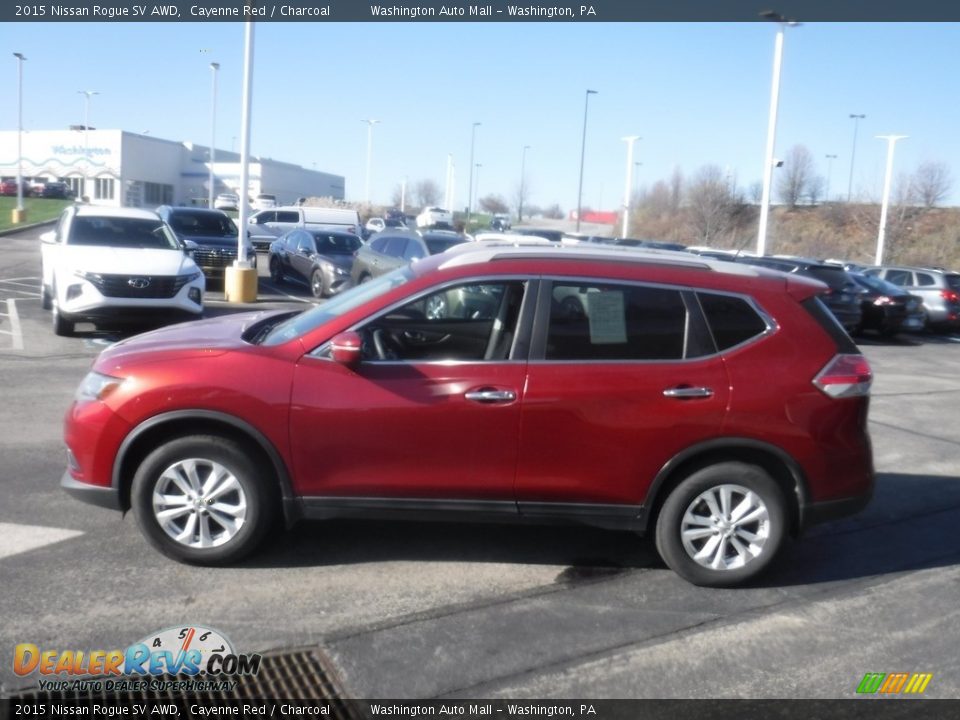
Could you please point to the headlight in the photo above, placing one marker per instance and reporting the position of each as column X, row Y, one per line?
column 96, row 386
column 190, row 277
column 337, row 270
column 95, row 278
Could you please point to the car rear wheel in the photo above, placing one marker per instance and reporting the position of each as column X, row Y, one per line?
column 317, row 285
column 276, row 272
column 203, row 500
column 723, row 525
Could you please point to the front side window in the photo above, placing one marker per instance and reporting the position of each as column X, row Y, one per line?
column 466, row 323
column 395, row 247
column 612, row 321
column 287, row 216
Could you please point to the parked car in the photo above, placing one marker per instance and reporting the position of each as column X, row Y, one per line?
column 842, row 295
column 939, row 289
column 434, row 217
column 500, row 222
column 551, row 235
column 9, row 188
column 320, row 258
column 643, row 413
column 395, row 214
column 391, row 249
column 210, row 237
column 375, row 224
column 267, row 225
column 116, row 265
column 888, row 309
column 227, row 201
column 55, row 190
column 263, row 201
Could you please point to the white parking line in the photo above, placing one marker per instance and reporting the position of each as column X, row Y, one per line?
column 16, row 539
column 14, row 332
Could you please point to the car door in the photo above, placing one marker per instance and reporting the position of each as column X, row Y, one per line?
column 301, row 259
column 433, row 415
column 622, row 376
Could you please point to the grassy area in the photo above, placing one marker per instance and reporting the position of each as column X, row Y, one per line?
column 38, row 210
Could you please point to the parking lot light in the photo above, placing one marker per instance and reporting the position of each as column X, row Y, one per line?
column 891, row 141
column 629, row 140
column 473, row 138
column 19, row 213
column 583, row 151
column 370, row 124
column 213, row 130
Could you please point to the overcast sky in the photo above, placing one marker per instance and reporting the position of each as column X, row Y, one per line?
column 696, row 93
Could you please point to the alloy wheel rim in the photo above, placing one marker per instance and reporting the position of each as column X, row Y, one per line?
column 199, row 503
column 725, row 527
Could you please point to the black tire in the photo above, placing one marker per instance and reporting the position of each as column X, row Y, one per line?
column 61, row 326
column 255, row 487
column 276, row 271
column 736, row 476
column 366, row 277
column 318, row 284
column 46, row 302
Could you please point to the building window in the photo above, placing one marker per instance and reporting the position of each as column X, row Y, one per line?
column 103, row 189
column 76, row 185
column 157, row 194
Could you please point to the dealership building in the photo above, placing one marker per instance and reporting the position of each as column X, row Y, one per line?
column 122, row 169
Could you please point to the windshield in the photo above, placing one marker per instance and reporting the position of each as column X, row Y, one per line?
column 122, row 232
column 439, row 245
column 206, row 224
column 310, row 320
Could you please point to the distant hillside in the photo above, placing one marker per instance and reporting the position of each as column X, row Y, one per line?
column 914, row 235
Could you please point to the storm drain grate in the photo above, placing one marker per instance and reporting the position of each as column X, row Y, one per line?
column 301, row 676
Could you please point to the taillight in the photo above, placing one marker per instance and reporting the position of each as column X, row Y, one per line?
column 884, row 300
column 845, row 376
column 950, row 296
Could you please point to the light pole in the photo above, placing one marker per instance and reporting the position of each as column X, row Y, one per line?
column 370, row 124
column 888, row 177
column 478, row 166
column 213, row 129
column 853, row 153
column 523, row 164
column 830, row 159
column 403, row 195
column 629, row 140
column 19, row 213
column 768, row 161
column 473, row 138
column 583, row 151
column 86, row 137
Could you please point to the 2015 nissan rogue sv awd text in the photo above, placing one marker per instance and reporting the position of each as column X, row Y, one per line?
column 716, row 405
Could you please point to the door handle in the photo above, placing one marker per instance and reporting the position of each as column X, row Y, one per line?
column 489, row 395
column 683, row 393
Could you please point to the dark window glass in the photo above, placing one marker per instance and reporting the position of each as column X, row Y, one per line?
column 835, row 278
column 439, row 245
column 200, row 223
column 395, row 246
column 731, row 319
column 953, row 281
column 413, row 251
column 899, row 277
column 288, row 217
column 379, row 244
column 924, row 279
column 615, row 322
column 328, row 244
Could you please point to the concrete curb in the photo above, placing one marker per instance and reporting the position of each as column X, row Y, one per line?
column 21, row 228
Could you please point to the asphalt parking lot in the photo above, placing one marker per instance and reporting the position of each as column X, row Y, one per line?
column 425, row 611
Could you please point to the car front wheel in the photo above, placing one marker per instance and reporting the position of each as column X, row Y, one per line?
column 276, row 272
column 203, row 500
column 723, row 525
column 317, row 285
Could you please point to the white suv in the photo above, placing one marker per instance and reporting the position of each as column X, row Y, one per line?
column 116, row 264
column 433, row 217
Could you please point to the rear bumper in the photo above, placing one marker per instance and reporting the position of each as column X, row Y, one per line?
column 105, row 497
column 821, row 512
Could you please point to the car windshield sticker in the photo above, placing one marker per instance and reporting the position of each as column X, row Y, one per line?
column 607, row 321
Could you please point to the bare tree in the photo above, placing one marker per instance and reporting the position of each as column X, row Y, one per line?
column 711, row 207
column 755, row 192
column 553, row 212
column 932, row 183
column 494, row 204
column 521, row 195
column 794, row 180
column 676, row 190
column 815, row 189
column 426, row 192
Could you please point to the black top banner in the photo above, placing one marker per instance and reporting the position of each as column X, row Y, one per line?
column 494, row 11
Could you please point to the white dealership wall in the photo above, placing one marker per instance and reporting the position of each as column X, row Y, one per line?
column 146, row 170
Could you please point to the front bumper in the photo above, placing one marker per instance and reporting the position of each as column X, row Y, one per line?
column 105, row 497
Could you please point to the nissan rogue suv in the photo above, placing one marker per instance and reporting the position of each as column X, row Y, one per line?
column 718, row 407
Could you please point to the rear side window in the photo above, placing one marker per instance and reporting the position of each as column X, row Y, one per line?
column 288, row 216
column 732, row 320
column 592, row 321
column 395, row 247
column 899, row 277
column 925, row 279
column 953, row 282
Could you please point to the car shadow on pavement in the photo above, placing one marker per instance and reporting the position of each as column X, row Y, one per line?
column 909, row 525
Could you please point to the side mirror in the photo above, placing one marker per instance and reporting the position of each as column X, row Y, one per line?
column 188, row 247
column 49, row 237
column 345, row 349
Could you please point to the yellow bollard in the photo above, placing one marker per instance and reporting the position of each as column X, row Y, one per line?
column 240, row 284
column 19, row 216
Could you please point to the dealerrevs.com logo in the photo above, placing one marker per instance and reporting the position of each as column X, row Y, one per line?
column 894, row 683
column 190, row 651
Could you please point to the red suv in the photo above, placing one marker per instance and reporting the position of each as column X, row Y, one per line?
column 719, row 406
